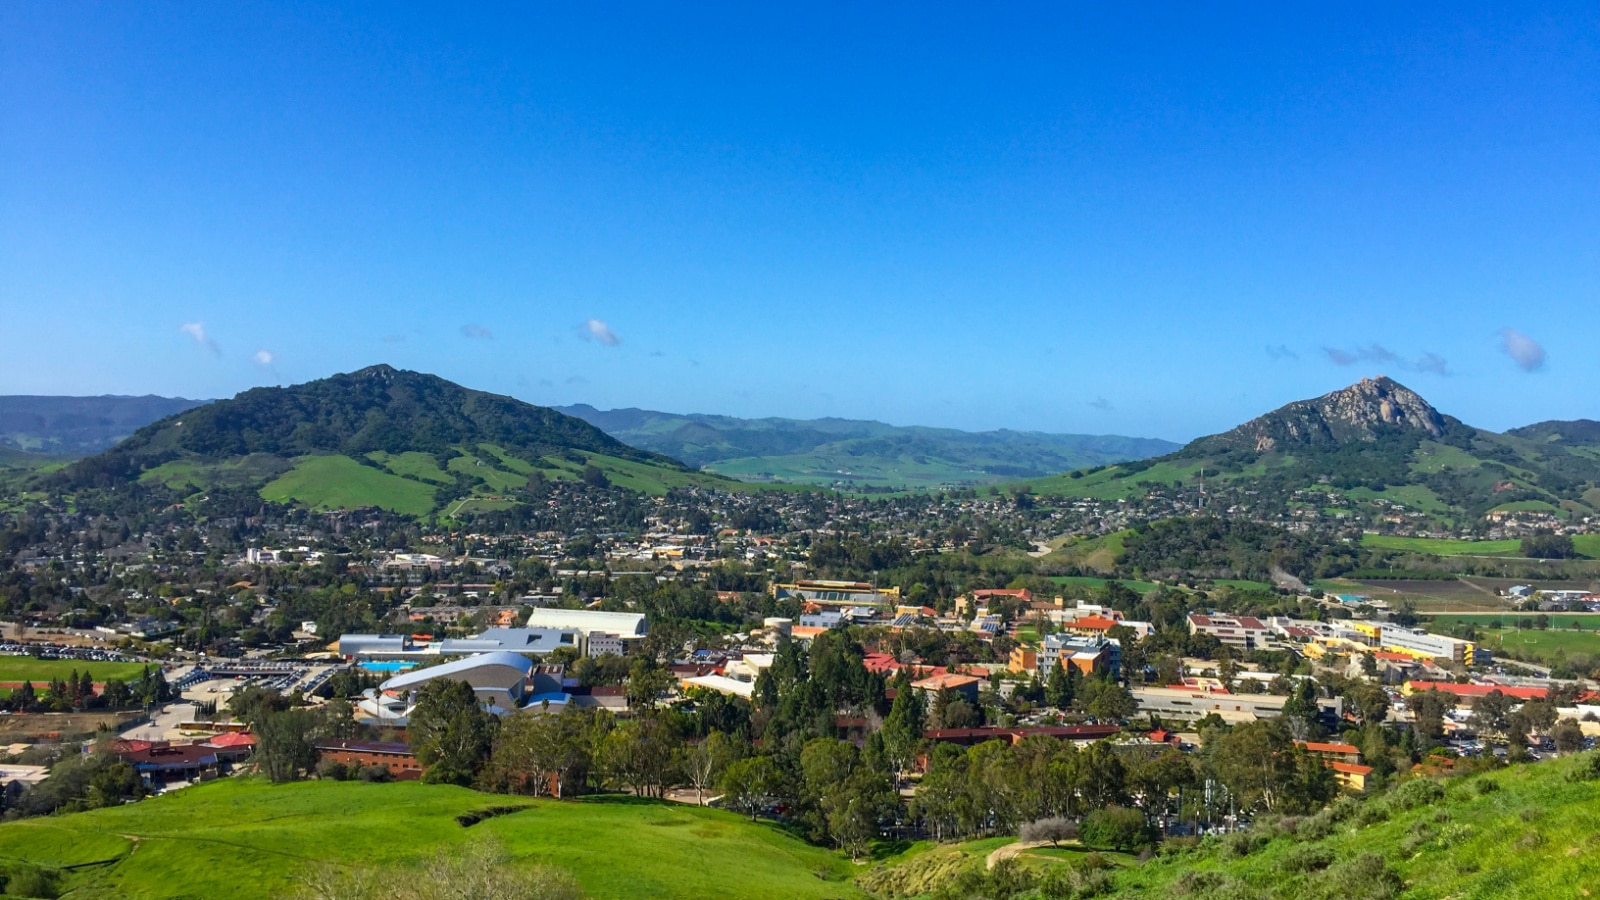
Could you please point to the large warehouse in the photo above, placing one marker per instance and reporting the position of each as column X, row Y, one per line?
column 625, row 625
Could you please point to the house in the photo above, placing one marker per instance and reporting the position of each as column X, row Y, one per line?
column 163, row 762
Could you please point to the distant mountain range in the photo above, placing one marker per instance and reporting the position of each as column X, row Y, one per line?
column 861, row 453
column 78, row 426
column 1376, row 439
column 404, row 441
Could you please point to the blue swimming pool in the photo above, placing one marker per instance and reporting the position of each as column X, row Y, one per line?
column 394, row 666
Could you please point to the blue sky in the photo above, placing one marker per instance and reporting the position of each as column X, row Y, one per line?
column 1038, row 217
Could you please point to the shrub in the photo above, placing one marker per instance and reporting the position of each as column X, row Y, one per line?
column 1413, row 794
column 1054, row 830
column 1366, row 877
column 1317, row 827
column 1305, row 858
column 1244, row 843
column 375, row 774
column 1487, row 786
column 1587, row 769
column 1213, row 886
column 1075, row 883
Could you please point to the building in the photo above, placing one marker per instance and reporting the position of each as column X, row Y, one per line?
column 399, row 759
column 968, row 737
column 501, row 681
column 1023, row 660
column 1418, row 644
column 603, row 643
column 531, row 642
column 1089, row 655
column 1246, row 632
column 836, row 593
column 965, row 685
column 1468, row 694
column 627, row 626
column 1189, row 704
column 163, row 762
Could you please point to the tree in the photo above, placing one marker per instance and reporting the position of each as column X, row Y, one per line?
column 902, row 730
column 855, row 807
column 1548, row 546
column 594, row 476
column 533, row 750
column 1117, row 828
column 286, row 743
column 1491, row 712
column 1427, row 711
column 748, row 784
column 1053, row 830
column 451, row 732
column 1106, row 700
column 703, row 762
column 647, row 681
column 1568, row 736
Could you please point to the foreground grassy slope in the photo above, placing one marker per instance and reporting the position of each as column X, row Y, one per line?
column 1530, row 833
column 244, row 838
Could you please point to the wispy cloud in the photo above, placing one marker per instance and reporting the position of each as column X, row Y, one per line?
column 1101, row 404
column 1526, row 352
column 598, row 330
column 1431, row 363
column 394, row 338
column 265, row 358
column 1281, row 351
column 197, row 330
column 476, row 333
column 575, row 380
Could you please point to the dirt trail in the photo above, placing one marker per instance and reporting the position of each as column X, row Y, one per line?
column 1011, row 850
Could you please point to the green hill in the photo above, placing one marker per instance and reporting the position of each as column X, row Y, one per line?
column 1527, row 831
column 246, row 838
column 848, row 451
column 403, row 441
column 1373, row 441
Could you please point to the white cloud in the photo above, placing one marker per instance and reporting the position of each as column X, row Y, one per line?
column 264, row 357
column 598, row 330
column 1526, row 352
column 197, row 330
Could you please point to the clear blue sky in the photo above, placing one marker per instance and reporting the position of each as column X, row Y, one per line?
column 982, row 215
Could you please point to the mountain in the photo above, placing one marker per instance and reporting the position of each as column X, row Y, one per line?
column 400, row 440
column 831, row 451
column 1371, row 451
column 1574, row 433
column 79, row 426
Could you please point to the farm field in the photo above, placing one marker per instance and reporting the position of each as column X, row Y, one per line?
column 1426, row 595
column 246, row 838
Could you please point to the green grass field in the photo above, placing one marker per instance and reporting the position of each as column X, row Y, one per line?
column 245, row 838
column 412, row 462
column 486, row 470
column 1098, row 553
column 40, row 671
column 332, row 482
column 1442, row 546
column 1530, row 643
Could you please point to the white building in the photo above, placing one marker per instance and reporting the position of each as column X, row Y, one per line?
column 627, row 626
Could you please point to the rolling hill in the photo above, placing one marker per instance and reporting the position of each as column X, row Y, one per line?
column 404, row 441
column 246, row 838
column 848, row 451
column 1374, row 440
column 77, row 426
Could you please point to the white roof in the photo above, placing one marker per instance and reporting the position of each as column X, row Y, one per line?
column 722, row 684
column 586, row 620
column 516, row 668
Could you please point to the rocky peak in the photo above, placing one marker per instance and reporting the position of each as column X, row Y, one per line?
column 1360, row 412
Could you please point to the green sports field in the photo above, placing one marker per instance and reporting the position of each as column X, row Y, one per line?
column 40, row 671
column 246, row 838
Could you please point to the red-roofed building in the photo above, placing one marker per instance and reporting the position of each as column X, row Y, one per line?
column 970, row 736
column 1351, row 775
column 1247, row 632
column 965, row 685
column 1089, row 625
column 1331, row 752
column 1467, row 694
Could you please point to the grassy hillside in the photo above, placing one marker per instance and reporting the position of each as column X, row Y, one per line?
column 1523, row 832
column 245, row 838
